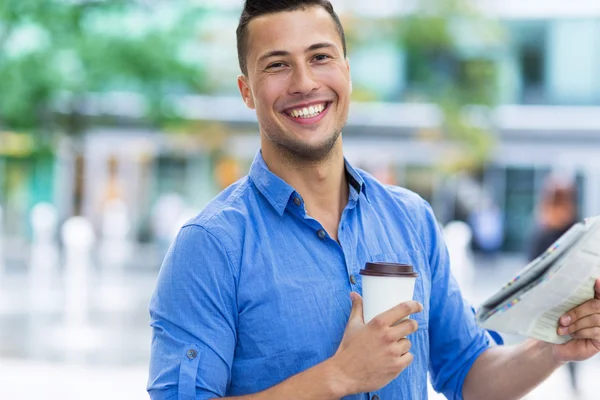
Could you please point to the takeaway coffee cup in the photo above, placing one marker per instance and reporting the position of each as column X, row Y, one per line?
column 385, row 285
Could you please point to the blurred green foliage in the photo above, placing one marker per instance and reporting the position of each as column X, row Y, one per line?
column 439, row 72
column 440, row 69
column 54, row 53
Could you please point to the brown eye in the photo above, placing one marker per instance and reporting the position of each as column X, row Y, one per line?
column 321, row 57
column 276, row 65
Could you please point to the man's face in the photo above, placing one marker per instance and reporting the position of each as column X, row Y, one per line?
column 298, row 82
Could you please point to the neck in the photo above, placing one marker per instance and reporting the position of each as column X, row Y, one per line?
column 322, row 184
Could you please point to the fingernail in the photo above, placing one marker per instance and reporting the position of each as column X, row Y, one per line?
column 565, row 320
column 563, row 331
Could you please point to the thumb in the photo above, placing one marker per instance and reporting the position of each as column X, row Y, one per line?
column 356, row 315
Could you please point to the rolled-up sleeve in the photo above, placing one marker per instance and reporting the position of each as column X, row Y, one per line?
column 455, row 339
column 193, row 315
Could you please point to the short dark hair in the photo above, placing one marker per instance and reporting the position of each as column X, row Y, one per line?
column 257, row 8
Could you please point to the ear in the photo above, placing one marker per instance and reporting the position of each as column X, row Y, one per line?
column 245, row 91
column 349, row 74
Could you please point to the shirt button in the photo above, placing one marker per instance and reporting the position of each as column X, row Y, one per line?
column 321, row 234
column 352, row 280
column 375, row 397
column 297, row 201
column 191, row 354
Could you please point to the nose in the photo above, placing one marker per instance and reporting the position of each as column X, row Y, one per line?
column 303, row 81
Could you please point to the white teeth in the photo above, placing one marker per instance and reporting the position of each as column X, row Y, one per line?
column 307, row 112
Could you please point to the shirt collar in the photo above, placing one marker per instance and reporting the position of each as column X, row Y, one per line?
column 278, row 192
column 354, row 179
column 275, row 189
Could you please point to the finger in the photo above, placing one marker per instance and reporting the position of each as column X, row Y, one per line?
column 404, row 328
column 357, row 308
column 588, row 308
column 591, row 321
column 597, row 289
column 403, row 346
column 404, row 361
column 587, row 333
column 398, row 312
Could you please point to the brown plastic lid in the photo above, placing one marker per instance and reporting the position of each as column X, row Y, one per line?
column 389, row 269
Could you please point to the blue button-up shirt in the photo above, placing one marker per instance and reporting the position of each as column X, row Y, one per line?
column 253, row 291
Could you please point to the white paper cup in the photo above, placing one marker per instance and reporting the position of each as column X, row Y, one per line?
column 384, row 286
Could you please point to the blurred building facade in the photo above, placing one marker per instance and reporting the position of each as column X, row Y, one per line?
column 547, row 119
column 545, row 55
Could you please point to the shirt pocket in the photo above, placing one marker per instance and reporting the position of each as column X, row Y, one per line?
column 417, row 259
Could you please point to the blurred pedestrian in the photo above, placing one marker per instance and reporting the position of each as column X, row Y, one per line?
column 557, row 212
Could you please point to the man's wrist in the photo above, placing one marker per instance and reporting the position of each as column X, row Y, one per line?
column 338, row 383
column 548, row 348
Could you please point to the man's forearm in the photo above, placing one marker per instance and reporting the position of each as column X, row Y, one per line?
column 321, row 382
column 510, row 372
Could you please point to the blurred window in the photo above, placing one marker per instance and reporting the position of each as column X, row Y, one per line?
column 574, row 61
column 171, row 174
column 531, row 49
column 519, row 203
column 425, row 72
column 532, row 61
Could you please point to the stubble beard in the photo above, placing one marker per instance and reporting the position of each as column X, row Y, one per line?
column 296, row 153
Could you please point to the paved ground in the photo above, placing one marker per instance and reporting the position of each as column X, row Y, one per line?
column 29, row 380
column 82, row 333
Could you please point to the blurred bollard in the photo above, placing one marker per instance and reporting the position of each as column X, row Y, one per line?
column 166, row 214
column 44, row 261
column 78, row 237
column 115, row 250
column 44, row 223
column 115, row 246
column 458, row 236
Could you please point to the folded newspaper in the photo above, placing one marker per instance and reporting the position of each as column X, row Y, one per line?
column 558, row 280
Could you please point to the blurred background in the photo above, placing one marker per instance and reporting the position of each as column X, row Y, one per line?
column 119, row 120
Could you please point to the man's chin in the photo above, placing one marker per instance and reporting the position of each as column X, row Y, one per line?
column 305, row 153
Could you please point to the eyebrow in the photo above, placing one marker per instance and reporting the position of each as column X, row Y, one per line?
column 283, row 53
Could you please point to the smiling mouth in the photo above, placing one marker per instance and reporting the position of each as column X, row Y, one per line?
column 307, row 112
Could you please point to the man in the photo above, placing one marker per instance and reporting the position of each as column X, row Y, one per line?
column 259, row 295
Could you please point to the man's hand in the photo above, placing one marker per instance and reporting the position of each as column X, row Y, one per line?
column 583, row 324
column 373, row 354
